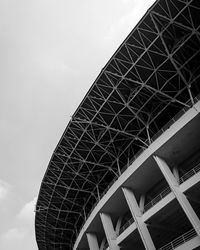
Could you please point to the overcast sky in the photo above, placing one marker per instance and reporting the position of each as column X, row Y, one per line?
column 51, row 51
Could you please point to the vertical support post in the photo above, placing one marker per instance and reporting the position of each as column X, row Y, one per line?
column 92, row 241
column 148, row 135
column 119, row 170
column 181, row 198
column 117, row 228
column 99, row 198
column 137, row 215
column 176, row 173
column 84, row 213
column 141, row 204
column 103, row 244
column 109, row 231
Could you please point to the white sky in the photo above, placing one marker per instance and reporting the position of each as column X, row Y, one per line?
column 51, row 51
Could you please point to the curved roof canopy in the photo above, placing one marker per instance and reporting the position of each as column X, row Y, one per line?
column 152, row 76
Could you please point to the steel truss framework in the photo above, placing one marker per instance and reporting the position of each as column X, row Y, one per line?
column 152, row 76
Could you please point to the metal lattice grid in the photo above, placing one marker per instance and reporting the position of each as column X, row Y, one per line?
column 153, row 75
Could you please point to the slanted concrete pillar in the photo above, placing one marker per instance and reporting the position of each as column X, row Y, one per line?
column 109, row 231
column 92, row 241
column 183, row 201
column 137, row 215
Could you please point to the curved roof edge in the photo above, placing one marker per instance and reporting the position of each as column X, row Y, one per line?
column 149, row 79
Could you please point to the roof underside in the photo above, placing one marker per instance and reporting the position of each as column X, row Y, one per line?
column 153, row 75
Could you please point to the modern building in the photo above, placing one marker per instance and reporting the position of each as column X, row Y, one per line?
column 126, row 172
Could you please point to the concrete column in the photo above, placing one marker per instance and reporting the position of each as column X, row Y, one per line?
column 92, row 241
column 118, row 225
column 137, row 215
column 109, row 231
column 141, row 204
column 176, row 173
column 183, row 201
column 103, row 243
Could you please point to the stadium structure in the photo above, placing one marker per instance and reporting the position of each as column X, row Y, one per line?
column 126, row 171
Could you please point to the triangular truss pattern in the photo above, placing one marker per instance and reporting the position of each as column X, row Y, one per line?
column 152, row 76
